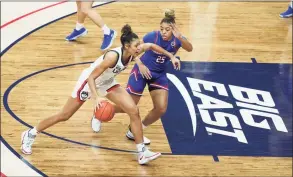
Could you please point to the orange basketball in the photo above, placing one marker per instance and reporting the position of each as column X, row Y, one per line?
column 106, row 112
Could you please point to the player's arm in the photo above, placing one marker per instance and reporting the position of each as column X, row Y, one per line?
column 174, row 60
column 155, row 47
column 150, row 46
column 186, row 45
column 109, row 61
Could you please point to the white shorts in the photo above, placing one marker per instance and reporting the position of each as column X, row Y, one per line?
column 82, row 91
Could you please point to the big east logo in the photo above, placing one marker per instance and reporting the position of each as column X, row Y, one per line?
column 230, row 109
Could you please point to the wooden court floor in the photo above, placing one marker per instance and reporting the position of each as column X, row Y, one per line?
column 219, row 32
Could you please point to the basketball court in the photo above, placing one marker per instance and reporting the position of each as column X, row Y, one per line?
column 229, row 110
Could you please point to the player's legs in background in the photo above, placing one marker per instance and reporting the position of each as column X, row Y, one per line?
column 79, row 29
column 288, row 12
column 85, row 9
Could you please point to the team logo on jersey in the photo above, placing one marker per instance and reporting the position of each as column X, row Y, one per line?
column 230, row 109
column 84, row 95
column 118, row 69
column 173, row 44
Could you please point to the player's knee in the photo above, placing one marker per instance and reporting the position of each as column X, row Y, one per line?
column 161, row 110
column 85, row 10
column 117, row 109
column 133, row 111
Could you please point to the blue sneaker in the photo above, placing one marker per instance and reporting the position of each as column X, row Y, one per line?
column 108, row 40
column 76, row 34
column 288, row 13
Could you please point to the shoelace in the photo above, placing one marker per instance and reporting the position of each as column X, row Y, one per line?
column 29, row 143
column 30, row 140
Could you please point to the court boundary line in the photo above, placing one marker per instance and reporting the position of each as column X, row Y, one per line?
column 20, row 156
column 30, row 13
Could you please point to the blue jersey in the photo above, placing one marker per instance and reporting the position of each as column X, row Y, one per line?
column 156, row 61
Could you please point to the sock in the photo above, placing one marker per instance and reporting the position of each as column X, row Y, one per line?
column 78, row 26
column 106, row 29
column 140, row 147
column 33, row 131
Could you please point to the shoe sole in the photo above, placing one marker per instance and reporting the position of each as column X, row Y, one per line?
column 286, row 16
column 154, row 157
column 134, row 140
column 73, row 39
column 21, row 140
column 92, row 126
column 114, row 37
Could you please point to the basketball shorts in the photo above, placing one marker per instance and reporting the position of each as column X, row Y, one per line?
column 82, row 91
column 136, row 83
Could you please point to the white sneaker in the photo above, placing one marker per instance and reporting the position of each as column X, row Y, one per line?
column 96, row 124
column 27, row 141
column 130, row 136
column 147, row 156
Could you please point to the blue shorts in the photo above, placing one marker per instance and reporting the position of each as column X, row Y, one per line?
column 136, row 83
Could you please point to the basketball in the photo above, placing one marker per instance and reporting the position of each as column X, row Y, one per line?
column 106, row 112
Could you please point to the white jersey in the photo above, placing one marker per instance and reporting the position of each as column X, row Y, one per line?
column 104, row 82
column 109, row 74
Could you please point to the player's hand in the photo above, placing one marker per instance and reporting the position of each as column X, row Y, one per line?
column 144, row 71
column 176, row 63
column 176, row 31
column 97, row 103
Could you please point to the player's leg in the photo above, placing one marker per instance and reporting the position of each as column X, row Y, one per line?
column 86, row 8
column 79, row 95
column 109, row 34
column 159, row 93
column 96, row 124
column 129, row 133
column 135, row 98
column 28, row 136
column 120, row 97
column 80, row 15
column 158, row 89
column 135, row 87
column 160, row 102
column 138, row 84
column 79, row 29
column 288, row 12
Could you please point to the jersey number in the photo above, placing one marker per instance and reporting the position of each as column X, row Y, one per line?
column 161, row 59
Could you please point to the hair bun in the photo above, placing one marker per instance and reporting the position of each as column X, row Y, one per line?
column 126, row 30
column 170, row 13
